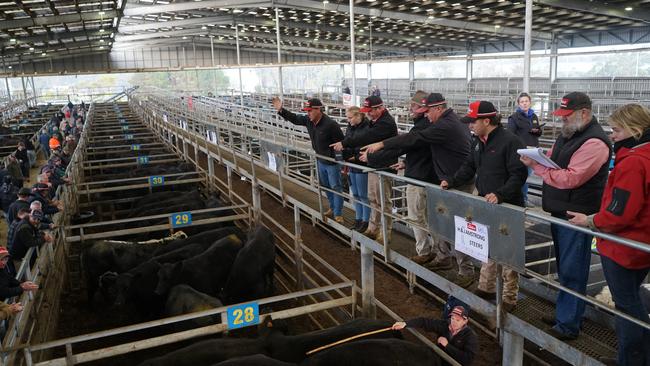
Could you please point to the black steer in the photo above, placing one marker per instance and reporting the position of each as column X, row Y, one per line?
column 251, row 276
column 255, row 360
column 205, row 238
column 206, row 272
column 208, row 352
column 183, row 299
column 375, row 352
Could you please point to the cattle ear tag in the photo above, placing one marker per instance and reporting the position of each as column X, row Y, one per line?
column 269, row 324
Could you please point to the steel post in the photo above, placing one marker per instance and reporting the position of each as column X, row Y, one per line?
column 368, row 283
column 528, row 30
column 513, row 349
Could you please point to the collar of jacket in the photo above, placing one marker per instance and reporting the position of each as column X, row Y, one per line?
column 631, row 142
column 529, row 114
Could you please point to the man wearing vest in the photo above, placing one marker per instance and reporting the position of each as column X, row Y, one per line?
column 582, row 151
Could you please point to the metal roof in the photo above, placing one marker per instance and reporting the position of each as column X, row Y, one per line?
column 34, row 29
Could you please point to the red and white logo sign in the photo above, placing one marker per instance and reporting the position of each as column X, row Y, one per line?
column 565, row 102
column 471, row 226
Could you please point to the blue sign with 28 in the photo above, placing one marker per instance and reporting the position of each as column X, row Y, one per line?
column 243, row 315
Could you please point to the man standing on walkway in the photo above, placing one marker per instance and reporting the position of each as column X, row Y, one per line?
column 382, row 126
column 323, row 131
column 449, row 141
column 582, row 151
column 499, row 174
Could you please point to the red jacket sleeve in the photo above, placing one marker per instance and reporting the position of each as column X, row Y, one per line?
column 626, row 197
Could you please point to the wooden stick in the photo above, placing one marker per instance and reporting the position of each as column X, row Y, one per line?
column 347, row 340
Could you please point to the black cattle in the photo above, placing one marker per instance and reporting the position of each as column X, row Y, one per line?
column 155, row 197
column 295, row 348
column 252, row 273
column 205, row 238
column 105, row 256
column 183, row 299
column 206, row 272
column 375, row 352
column 192, row 200
column 254, row 360
column 209, row 352
column 137, row 286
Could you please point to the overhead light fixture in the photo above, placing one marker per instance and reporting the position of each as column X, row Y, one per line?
column 325, row 2
column 101, row 13
column 43, row 54
column 101, row 41
column 101, row 30
column 629, row 8
column 12, row 40
column 204, row 27
column 184, row 37
column 497, row 26
column 237, row 11
column 10, row 67
column 101, row 47
column 31, row 48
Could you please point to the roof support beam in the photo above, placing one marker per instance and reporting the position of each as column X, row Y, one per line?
column 599, row 7
column 57, row 19
column 58, row 36
column 187, row 6
column 226, row 19
column 319, row 5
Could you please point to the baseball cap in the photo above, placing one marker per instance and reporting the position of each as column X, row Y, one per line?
column 572, row 102
column 312, row 104
column 25, row 192
column 370, row 103
column 479, row 109
column 460, row 311
column 432, row 100
column 418, row 97
column 3, row 252
column 40, row 187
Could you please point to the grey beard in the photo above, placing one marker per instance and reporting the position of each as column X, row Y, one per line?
column 569, row 129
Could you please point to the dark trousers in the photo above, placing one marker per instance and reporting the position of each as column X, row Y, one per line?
column 633, row 340
column 573, row 256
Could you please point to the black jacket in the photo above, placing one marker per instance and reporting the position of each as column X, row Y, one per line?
column 496, row 166
column 22, row 155
column 326, row 132
column 419, row 164
column 585, row 198
column 351, row 154
column 521, row 125
column 462, row 347
column 384, row 127
column 9, row 285
column 25, row 237
column 12, row 213
column 449, row 141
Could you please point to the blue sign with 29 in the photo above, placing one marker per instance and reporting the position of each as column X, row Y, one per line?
column 243, row 315
column 181, row 219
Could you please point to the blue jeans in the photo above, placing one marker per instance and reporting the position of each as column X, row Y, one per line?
column 572, row 256
column 359, row 186
column 524, row 188
column 633, row 340
column 329, row 176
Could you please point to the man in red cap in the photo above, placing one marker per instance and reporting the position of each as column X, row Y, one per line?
column 582, row 151
column 494, row 164
column 323, row 131
column 456, row 338
column 382, row 126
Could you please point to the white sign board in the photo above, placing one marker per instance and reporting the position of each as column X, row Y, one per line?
column 471, row 238
column 349, row 102
column 273, row 165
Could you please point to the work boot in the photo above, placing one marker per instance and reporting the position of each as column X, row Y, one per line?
column 484, row 294
column 372, row 234
column 339, row 219
column 464, row 281
column 380, row 237
column 549, row 320
column 363, row 226
column 440, row 265
column 328, row 213
column 422, row 259
column 608, row 361
column 357, row 224
column 508, row 307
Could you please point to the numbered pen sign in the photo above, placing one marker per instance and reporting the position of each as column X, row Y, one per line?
column 135, row 147
column 181, row 219
column 125, row 127
column 156, row 180
column 243, row 315
column 128, row 136
column 143, row 159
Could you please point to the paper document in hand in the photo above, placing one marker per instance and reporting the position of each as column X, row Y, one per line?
column 538, row 155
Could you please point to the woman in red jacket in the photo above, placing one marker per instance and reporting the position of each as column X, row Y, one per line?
column 625, row 212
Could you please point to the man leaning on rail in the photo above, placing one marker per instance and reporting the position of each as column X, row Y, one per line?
column 323, row 131
column 582, row 151
column 499, row 177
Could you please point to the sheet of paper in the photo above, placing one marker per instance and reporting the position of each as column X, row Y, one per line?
column 538, row 155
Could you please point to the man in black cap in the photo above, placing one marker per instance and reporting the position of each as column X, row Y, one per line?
column 27, row 235
column 382, row 126
column 323, row 131
column 22, row 202
column 455, row 337
column 449, row 141
column 582, row 151
column 499, row 174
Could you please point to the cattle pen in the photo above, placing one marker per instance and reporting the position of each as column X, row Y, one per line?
column 247, row 157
